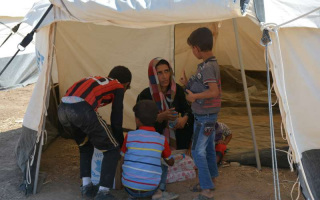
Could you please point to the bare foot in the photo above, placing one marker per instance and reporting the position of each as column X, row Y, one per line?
column 208, row 193
column 157, row 195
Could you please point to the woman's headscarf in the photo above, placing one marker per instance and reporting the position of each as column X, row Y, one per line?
column 158, row 97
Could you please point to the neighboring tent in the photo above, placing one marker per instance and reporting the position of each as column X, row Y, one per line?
column 81, row 38
column 23, row 70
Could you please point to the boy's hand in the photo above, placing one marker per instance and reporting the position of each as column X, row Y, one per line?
column 190, row 96
column 183, row 78
column 221, row 142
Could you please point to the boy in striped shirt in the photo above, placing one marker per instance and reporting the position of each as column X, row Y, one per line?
column 143, row 174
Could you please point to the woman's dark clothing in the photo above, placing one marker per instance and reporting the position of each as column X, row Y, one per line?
column 183, row 136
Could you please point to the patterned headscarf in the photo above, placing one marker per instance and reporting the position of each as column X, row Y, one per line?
column 158, row 97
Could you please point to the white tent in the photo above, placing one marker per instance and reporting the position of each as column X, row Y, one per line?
column 81, row 38
column 23, row 69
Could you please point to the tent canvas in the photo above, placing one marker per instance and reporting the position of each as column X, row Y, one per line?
column 294, row 60
column 23, row 70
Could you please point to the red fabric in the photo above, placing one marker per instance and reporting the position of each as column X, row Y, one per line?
column 139, row 182
column 158, row 97
column 166, row 152
column 147, row 128
column 124, row 146
column 155, row 87
column 221, row 148
column 97, row 91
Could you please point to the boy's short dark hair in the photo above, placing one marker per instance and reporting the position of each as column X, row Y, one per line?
column 146, row 111
column 202, row 37
column 121, row 73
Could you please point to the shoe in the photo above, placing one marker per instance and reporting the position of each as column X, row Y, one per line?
column 132, row 198
column 167, row 196
column 102, row 195
column 202, row 197
column 195, row 188
column 87, row 191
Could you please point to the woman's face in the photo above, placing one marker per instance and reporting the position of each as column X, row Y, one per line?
column 163, row 73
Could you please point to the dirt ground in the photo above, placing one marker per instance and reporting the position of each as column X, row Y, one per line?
column 60, row 160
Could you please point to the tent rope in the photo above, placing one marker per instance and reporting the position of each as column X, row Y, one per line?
column 292, row 20
column 266, row 41
column 13, row 31
column 275, row 103
column 297, row 181
column 274, row 28
column 290, row 159
column 289, row 156
column 29, row 164
column 26, row 41
column 28, row 174
column 281, row 129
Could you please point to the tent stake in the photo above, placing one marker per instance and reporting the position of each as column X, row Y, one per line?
column 245, row 87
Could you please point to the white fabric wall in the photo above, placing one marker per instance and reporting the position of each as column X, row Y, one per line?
column 280, row 11
column 84, row 49
column 298, row 85
column 35, row 109
column 16, row 8
column 23, row 69
column 147, row 13
column 249, row 35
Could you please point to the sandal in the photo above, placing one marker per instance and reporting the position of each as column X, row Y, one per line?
column 167, row 196
column 195, row 188
column 202, row 197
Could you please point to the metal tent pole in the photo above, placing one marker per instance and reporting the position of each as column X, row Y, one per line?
column 35, row 185
column 44, row 115
column 245, row 87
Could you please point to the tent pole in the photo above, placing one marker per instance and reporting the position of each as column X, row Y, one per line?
column 35, row 185
column 46, row 107
column 245, row 87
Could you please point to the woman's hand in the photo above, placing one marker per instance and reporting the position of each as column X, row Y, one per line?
column 182, row 121
column 166, row 115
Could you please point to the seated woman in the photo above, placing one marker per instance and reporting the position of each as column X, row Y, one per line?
column 171, row 102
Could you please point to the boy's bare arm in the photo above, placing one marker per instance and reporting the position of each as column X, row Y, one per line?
column 121, row 160
column 227, row 139
column 183, row 78
column 212, row 92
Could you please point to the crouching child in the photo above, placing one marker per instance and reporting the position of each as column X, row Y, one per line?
column 143, row 174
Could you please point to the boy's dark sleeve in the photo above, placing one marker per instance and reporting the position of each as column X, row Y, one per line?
column 117, row 115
